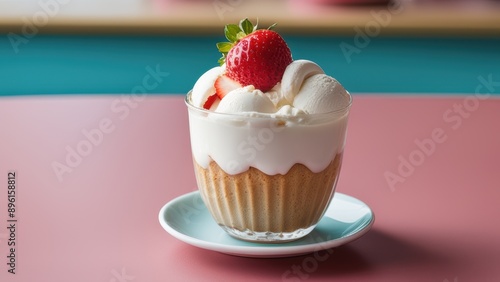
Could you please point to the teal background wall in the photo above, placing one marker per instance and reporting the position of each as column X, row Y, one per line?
column 66, row 64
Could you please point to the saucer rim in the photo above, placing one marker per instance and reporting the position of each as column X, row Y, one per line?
column 267, row 249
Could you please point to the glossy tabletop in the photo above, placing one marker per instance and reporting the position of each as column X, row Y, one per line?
column 92, row 172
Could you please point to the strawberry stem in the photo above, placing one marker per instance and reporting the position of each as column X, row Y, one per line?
column 272, row 26
column 234, row 33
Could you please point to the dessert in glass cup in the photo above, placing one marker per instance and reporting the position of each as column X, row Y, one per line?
column 267, row 137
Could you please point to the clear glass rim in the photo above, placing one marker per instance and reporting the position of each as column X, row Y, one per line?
column 266, row 115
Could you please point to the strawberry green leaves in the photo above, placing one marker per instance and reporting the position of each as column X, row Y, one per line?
column 272, row 26
column 234, row 33
column 224, row 47
column 231, row 31
column 247, row 27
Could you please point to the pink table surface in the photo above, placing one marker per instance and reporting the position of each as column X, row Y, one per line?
column 436, row 221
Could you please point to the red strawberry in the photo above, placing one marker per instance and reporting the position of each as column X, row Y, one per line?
column 257, row 57
column 224, row 85
column 210, row 101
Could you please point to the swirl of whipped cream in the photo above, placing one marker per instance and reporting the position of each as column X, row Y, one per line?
column 321, row 93
column 246, row 99
column 294, row 76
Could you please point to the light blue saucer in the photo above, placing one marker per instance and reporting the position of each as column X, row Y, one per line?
column 188, row 219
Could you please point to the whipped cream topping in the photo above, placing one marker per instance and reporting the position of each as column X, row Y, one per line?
column 294, row 76
column 244, row 100
column 321, row 93
column 303, row 81
column 302, row 120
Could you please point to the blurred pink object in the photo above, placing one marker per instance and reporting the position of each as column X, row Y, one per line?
column 348, row 2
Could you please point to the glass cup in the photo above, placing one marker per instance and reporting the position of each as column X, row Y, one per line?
column 264, row 177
